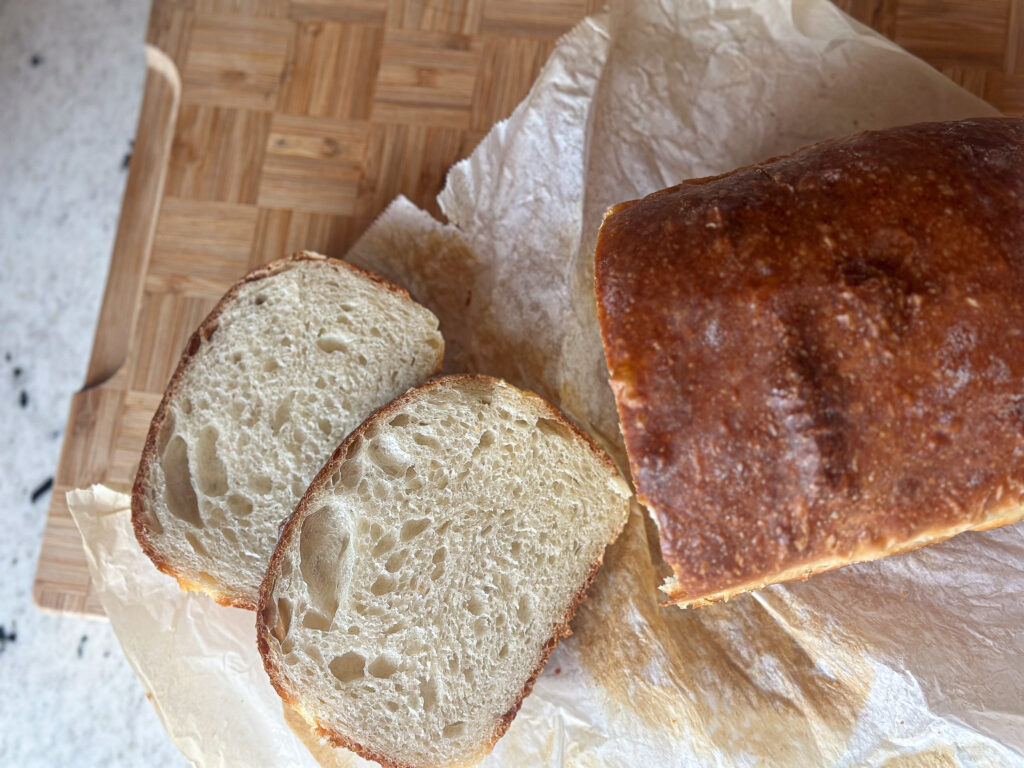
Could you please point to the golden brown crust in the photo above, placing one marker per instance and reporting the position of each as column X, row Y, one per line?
column 294, row 524
column 141, row 489
column 819, row 359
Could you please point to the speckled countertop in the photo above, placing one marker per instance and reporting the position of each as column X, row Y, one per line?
column 71, row 75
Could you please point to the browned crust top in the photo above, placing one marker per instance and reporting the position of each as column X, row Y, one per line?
column 561, row 630
column 141, row 490
column 820, row 358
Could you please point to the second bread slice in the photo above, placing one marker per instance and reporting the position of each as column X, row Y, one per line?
column 432, row 567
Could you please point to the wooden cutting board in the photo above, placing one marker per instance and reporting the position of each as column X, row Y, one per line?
column 273, row 125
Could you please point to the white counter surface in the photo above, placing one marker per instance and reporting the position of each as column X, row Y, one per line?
column 71, row 75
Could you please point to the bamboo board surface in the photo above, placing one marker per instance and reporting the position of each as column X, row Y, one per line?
column 273, row 125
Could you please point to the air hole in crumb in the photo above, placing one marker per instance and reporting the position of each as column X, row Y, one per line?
column 486, row 439
column 428, row 690
column 230, row 535
column 236, row 357
column 516, row 548
column 503, row 653
column 350, row 473
column 525, row 610
column 271, row 366
column 353, row 630
column 383, row 666
column 196, row 544
column 395, row 561
column 438, row 572
column 468, row 674
column 392, row 706
column 323, row 544
column 239, row 505
column 282, row 413
column 413, row 528
column 283, row 620
column 475, row 605
column 180, row 496
column 348, row 667
column 325, row 425
column 479, row 627
column 388, row 456
column 316, row 620
column 551, row 427
column 400, row 420
column 440, row 555
column 398, row 626
column 454, row 730
column 426, row 441
column 332, row 344
column 386, row 544
column 384, row 584
column 261, row 484
column 260, row 299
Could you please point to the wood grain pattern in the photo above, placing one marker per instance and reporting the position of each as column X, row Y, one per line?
column 295, row 123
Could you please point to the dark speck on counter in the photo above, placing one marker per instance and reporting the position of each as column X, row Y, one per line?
column 23, row 399
column 36, row 59
column 81, row 645
column 7, row 637
column 42, row 489
column 126, row 161
column 18, row 371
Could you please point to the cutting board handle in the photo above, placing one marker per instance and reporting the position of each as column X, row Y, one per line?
column 137, row 227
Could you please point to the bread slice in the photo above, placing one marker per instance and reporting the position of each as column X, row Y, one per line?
column 432, row 567
column 290, row 361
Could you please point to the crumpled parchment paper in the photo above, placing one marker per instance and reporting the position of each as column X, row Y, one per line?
column 917, row 660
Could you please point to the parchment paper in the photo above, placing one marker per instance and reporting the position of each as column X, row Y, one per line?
column 912, row 661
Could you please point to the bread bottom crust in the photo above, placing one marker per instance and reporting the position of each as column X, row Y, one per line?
column 801, row 572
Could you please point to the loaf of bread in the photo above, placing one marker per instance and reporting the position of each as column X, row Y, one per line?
column 432, row 567
column 819, row 359
column 290, row 361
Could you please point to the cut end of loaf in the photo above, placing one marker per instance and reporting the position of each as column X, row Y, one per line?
column 290, row 360
column 432, row 567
